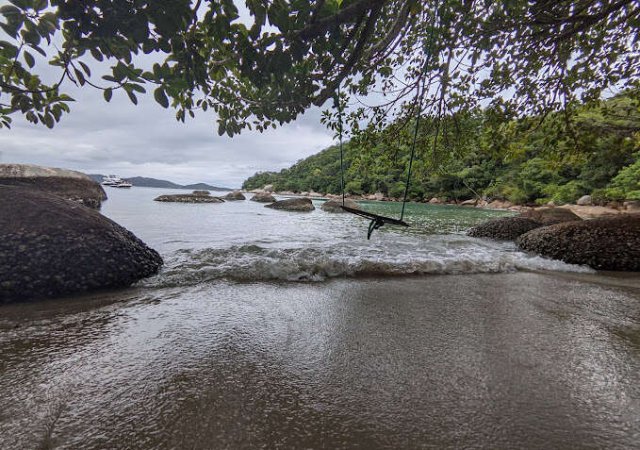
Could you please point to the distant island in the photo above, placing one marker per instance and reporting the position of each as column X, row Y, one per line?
column 155, row 183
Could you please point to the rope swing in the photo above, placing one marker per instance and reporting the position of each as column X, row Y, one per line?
column 377, row 221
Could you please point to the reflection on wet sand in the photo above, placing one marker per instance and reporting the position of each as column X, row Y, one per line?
column 494, row 361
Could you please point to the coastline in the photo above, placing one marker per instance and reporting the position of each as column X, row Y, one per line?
column 583, row 211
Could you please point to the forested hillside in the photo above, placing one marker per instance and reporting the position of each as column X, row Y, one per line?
column 535, row 160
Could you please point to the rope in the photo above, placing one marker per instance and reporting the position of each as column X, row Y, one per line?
column 413, row 151
column 341, row 149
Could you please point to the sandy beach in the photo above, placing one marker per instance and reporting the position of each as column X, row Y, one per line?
column 535, row 360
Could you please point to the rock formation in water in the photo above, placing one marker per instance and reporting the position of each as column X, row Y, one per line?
column 195, row 197
column 611, row 243
column 67, row 184
column 50, row 246
column 504, row 228
column 293, row 204
column 263, row 197
column 235, row 195
column 334, row 206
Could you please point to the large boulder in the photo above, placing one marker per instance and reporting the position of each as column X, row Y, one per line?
column 235, row 195
column 335, row 206
column 504, row 228
column 608, row 243
column 50, row 246
column 263, row 197
column 268, row 188
column 550, row 216
column 189, row 198
column 67, row 184
column 293, row 204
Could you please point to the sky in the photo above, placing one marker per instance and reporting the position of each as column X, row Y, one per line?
column 146, row 140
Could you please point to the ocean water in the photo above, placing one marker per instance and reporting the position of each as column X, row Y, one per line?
column 269, row 329
column 244, row 241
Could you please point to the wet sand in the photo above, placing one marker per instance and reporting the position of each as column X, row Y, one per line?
column 522, row 360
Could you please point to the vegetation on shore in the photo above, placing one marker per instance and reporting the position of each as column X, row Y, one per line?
column 586, row 150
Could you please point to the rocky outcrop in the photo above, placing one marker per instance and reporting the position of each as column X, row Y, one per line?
column 234, row 196
column 50, row 246
column 189, row 198
column 268, row 188
column 632, row 206
column 263, row 197
column 435, row 201
column 549, row 216
column 504, row 228
column 293, row 204
column 335, row 206
column 67, row 184
column 201, row 193
column 611, row 243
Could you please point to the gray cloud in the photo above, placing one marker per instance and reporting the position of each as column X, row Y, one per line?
column 146, row 140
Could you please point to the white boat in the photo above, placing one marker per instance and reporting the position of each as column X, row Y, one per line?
column 111, row 180
column 115, row 181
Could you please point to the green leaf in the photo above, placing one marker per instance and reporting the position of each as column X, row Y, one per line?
column 161, row 97
column 132, row 97
column 85, row 68
column 108, row 93
column 29, row 59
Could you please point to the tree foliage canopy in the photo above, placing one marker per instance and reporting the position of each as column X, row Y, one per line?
column 265, row 63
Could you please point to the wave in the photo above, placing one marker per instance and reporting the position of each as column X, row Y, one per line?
column 439, row 255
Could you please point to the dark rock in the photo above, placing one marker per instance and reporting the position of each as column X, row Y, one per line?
column 188, row 198
column 293, row 204
column 504, row 228
column 263, row 197
column 608, row 243
column 201, row 193
column 50, row 246
column 549, row 216
column 334, row 206
column 67, row 184
column 235, row 195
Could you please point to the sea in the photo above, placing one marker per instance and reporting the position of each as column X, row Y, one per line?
column 274, row 329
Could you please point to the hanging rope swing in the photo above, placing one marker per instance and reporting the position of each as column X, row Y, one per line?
column 376, row 220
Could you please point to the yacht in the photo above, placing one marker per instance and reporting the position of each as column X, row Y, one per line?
column 115, row 181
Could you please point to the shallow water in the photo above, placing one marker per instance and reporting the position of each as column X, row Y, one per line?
column 213, row 353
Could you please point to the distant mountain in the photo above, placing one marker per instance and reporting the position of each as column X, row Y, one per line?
column 155, row 183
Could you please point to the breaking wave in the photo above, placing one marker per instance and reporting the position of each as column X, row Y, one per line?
column 448, row 254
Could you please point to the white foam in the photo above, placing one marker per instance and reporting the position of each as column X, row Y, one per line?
column 448, row 254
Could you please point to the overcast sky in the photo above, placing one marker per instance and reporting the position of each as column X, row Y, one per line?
column 146, row 140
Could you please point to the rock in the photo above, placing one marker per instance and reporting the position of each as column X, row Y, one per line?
column 500, row 204
column 201, row 193
column 378, row 196
column 472, row 202
column 632, row 205
column 235, row 195
column 334, row 206
column 608, row 243
column 188, row 198
column 549, row 216
column 263, row 197
column 293, row 204
column 304, row 194
column 50, row 246
column 268, row 188
column 435, row 201
column 504, row 228
column 551, row 204
column 67, row 184
column 585, row 200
